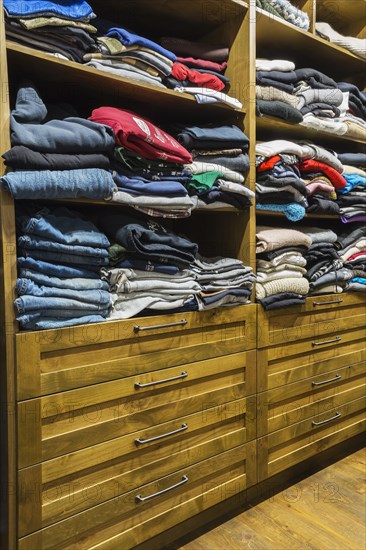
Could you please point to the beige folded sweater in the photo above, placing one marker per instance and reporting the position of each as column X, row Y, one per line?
column 297, row 285
column 272, row 238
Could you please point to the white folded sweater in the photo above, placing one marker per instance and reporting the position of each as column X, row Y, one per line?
column 291, row 284
column 354, row 45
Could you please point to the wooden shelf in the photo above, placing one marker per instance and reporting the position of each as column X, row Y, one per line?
column 286, row 41
column 272, row 127
column 310, row 215
column 54, row 70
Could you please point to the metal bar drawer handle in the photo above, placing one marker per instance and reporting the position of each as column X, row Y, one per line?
column 139, row 441
column 184, row 374
column 137, row 328
column 337, row 415
column 337, row 377
column 327, row 303
column 139, row 498
column 336, row 339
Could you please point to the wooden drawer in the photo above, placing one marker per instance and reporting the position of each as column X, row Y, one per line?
column 284, row 448
column 131, row 518
column 289, row 404
column 320, row 315
column 277, row 368
column 66, row 422
column 60, row 360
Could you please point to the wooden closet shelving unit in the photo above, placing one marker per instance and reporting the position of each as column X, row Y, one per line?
column 71, row 411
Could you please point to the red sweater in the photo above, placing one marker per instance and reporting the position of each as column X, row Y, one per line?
column 140, row 135
column 316, row 166
column 205, row 80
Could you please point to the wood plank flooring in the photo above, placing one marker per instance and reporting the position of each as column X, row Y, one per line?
column 325, row 511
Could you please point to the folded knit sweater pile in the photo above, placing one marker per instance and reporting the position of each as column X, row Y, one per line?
column 285, row 10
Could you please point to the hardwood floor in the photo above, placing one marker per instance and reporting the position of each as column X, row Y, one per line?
column 325, row 511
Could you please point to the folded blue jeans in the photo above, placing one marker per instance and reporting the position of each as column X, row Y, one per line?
column 55, row 270
column 72, row 9
column 37, row 243
column 91, row 183
column 80, row 262
column 63, row 226
column 76, row 283
column 44, row 323
column 65, row 307
column 27, row 286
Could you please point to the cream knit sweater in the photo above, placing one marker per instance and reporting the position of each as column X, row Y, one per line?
column 269, row 238
column 297, row 285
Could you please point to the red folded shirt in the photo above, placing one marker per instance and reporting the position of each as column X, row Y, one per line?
column 269, row 163
column 140, row 135
column 203, row 64
column 205, row 80
column 316, row 166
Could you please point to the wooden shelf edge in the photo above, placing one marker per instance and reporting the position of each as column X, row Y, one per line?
column 113, row 80
column 309, row 215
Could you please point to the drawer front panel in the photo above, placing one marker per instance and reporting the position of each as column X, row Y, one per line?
column 276, row 372
column 289, row 404
column 63, row 492
column 59, row 424
column 150, row 502
column 311, row 320
column 51, row 361
column 284, row 448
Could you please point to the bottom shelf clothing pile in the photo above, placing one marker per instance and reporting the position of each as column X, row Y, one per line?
column 59, row 258
column 308, row 260
column 156, row 270
column 69, row 273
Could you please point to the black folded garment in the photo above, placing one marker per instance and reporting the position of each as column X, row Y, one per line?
column 353, row 159
column 315, row 79
column 278, row 109
column 148, row 239
column 21, row 157
column 283, row 299
column 320, row 205
column 321, row 109
column 275, row 253
column 232, row 199
column 357, row 98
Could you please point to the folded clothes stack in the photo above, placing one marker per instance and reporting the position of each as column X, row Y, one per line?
column 281, row 265
column 149, row 165
column 325, row 271
column 156, row 270
column 297, row 177
column 60, row 255
column 275, row 85
column 65, row 157
column 63, row 29
column 127, row 54
column 279, row 186
column 287, row 11
column 352, row 198
column 352, row 250
column 223, row 281
column 351, row 43
column 198, row 70
column 219, row 167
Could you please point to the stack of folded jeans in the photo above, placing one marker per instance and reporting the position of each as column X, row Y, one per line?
column 57, row 158
column 198, row 70
column 60, row 255
column 287, row 11
column 124, row 53
column 62, row 29
column 322, row 179
column 352, row 249
column 325, row 271
column 220, row 165
column 281, row 265
column 224, row 282
column 148, row 173
column 275, row 82
column 352, row 198
column 279, row 186
column 151, row 267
